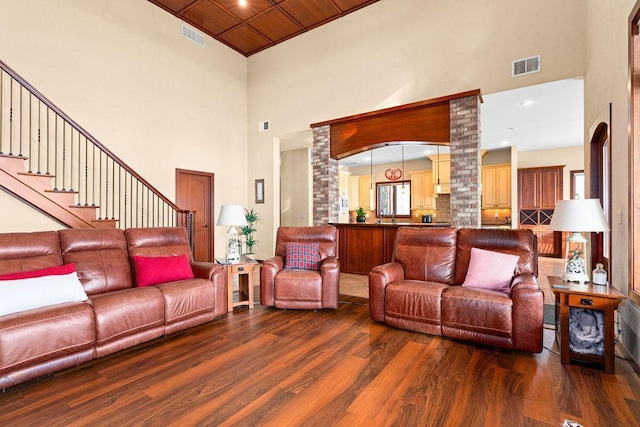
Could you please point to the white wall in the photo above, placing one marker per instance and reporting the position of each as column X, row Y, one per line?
column 295, row 171
column 399, row 51
column 123, row 71
column 607, row 81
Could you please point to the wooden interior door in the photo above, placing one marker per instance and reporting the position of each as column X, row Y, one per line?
column 194, row 192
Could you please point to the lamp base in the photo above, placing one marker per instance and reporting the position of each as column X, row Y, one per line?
column 575, row 277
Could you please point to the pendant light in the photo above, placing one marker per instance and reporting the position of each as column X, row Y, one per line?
column 438, row 186
column 371, row 181
column 403, row 190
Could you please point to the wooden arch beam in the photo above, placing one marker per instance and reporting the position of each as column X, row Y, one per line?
column 425, row 121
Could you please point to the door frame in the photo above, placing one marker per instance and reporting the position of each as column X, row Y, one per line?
column 210, row 221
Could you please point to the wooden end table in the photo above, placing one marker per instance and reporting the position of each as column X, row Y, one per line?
column 595, row 297
column 244, row 270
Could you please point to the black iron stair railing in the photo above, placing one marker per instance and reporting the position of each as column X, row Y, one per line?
column 54, row 145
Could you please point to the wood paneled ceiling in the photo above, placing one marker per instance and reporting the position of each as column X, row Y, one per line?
column 261, row 23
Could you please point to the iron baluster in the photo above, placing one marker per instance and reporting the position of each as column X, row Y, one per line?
column 39, row 136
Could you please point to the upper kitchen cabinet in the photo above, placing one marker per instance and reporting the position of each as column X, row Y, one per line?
column 354, row 192
column 539, row 188
column 441, row 173
column 496, row 187
column 367, row 198
column 422, row 190
column 343, row 182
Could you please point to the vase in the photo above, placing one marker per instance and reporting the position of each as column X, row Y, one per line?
column 361, row 218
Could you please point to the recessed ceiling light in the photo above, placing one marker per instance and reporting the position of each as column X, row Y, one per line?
column 503, row 143
column 512, row 128
column 242, row 3
column 527, row 103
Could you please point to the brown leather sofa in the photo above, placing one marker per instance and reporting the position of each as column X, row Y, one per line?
column 420, row 290
column 302, row 289
column 118, row 314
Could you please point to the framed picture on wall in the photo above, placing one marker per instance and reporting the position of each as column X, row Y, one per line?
column 259, row 190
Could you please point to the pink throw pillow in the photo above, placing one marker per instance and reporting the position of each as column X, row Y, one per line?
column 490, row 270
column 302, row 256
column 156, row 270
column 58, row 270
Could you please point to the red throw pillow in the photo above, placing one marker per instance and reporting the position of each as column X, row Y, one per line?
column 302, row 256
column 164, row 269
column 58, row 270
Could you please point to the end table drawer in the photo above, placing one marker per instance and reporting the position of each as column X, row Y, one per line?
column 587, row 301
column 241, row 269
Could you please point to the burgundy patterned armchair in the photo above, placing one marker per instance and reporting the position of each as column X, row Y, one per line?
column 295, row 281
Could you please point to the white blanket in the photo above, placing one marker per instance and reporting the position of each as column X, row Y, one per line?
column 586, row 331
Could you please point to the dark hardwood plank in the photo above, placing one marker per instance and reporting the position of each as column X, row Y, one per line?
column 273, row 367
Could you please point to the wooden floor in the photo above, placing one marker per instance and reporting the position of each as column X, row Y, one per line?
column 325, row 368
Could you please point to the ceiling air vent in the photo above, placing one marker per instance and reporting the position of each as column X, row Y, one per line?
column 525, row 66
column 193, row 35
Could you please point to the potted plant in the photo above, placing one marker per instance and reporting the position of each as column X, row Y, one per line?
column 247, row 231
column 361, row 215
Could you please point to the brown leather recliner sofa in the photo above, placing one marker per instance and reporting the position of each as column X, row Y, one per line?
column 420, row 290
column 118, row 314
column 302, row 289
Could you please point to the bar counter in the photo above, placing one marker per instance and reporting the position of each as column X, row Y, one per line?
column 362, row 246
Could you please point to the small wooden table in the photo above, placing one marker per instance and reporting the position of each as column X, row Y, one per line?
column 244, row 270
column 595, row 297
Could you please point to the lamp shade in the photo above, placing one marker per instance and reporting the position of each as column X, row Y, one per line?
column 232, row 215
column 578, row 215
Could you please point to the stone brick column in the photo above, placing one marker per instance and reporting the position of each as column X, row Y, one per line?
column 464, row 120
column 325, row 178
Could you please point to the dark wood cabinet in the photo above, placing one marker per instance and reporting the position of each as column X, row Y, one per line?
column 538, row 190
column 363, row 246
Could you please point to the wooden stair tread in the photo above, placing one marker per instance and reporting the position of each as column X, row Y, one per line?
column 61, row 191
column 13, row 156
column 39, row 175
column 36, row 175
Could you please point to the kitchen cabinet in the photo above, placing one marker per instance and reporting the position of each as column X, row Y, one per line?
column 343, row 182
column 496, row 187
column 538, row 190
column 367, row 200
column 442, row 172
column 354, row 192
column 422, row 190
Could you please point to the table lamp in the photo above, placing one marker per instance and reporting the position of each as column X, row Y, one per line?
column 233, row 216
column 577, row 216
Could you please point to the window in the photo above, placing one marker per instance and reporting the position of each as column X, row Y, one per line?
column 577, row 184
column 394, row 199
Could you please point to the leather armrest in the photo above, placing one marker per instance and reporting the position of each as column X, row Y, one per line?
column 524, row 281
column 217, row 273
column 205, row 270
column 379, row 277
column 330, row 272
column 270, row 267
column 528, row 307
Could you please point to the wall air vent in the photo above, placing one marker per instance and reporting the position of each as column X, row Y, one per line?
column 193, row 35
column 263, row 126
column 524, row 66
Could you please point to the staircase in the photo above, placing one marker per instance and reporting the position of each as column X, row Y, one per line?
column 51, row 163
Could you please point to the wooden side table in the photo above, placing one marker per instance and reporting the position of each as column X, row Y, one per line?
column 244, row 270
column 595, row 297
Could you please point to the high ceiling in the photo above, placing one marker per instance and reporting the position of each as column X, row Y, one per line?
column 259, row 24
